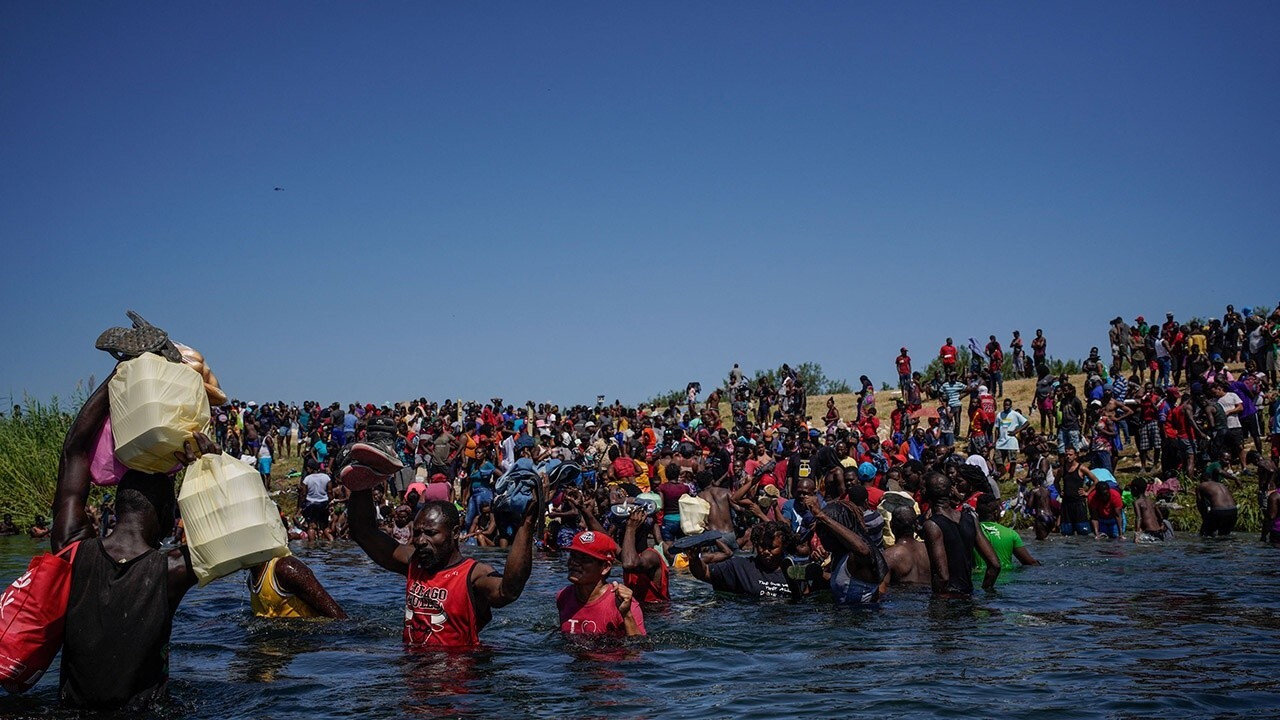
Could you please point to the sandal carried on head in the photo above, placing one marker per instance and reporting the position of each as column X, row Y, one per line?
column 128, row 343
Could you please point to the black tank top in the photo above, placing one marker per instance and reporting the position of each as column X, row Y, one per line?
column 959, row 540
column 116, row 651
column 1072, row 482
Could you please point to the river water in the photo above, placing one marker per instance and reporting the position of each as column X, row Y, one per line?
column 1103, row 629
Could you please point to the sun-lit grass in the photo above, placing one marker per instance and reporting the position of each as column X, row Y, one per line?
column 29, row 449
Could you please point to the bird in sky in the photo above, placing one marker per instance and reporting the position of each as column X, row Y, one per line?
column 279, row 189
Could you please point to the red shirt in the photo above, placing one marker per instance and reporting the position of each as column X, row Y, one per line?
column 438, row 611
column 598, row 617
column 1106, row 505
column 948, row 354
column 874, row 496
column 647, row 589
column 1180, row 424
column 869, row 426
column 904, row 365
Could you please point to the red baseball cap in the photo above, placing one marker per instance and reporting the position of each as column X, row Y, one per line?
column 598, row 545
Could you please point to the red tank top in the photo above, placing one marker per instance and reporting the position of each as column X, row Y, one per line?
column 438, row 611
column 645, row 588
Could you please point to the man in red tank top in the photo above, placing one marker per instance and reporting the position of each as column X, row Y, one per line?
column 448, row 598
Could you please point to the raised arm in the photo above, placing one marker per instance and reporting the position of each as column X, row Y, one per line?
column 852, row 541
column 362, row 524
column 502, row 589
column 697, row 567
column 632, row 560
column 70, row 521
column 583, row 510
column 296, row 578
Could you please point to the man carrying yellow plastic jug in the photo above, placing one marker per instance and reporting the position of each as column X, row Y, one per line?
column 448, row 598
column 124, row 588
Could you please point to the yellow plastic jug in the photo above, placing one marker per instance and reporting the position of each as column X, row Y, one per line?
column 693, row 514
column 156, row 405
column 230, row 521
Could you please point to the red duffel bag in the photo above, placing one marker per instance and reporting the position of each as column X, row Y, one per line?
column 33, row 614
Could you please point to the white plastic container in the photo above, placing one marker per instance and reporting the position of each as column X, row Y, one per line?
column 231, row 523
column 693, row 514
column 156, row 405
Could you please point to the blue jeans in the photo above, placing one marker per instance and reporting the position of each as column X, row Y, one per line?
column 671, row 528
column 1068, row 438
column 1166, row 366
column 1102, row 460
column 1110, row 528
column 480, row 495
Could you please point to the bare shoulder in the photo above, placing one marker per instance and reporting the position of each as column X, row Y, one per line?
column 481, row 570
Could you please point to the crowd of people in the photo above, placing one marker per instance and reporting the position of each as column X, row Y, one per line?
column 769, row 502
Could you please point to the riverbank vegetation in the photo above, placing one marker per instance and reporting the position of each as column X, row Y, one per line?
column 30, row 444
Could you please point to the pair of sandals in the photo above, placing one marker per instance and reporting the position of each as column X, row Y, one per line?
column 368, row 462
column 128, row 343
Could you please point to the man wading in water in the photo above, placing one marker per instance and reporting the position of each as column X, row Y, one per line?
column 449, row 598
column 124, row 588
column 952, row 535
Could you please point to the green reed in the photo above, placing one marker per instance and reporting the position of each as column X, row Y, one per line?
column 30, row 446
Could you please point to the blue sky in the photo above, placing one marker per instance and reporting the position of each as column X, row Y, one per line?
column 550, row 201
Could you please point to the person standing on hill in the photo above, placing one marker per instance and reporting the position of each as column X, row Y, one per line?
column 948, row 355
column 1008, row 424
column 995, row 364
column 1118, row 336
column 953, row 390
column 1039, row 349
column 1020, row 368
column 903, row 365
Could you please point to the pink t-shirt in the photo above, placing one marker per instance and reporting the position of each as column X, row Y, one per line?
column 436, row 491
column 598, row 617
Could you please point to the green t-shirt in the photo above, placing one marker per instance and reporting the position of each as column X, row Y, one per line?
column 1003, row 540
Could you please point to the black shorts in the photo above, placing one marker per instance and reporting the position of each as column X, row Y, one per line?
column 1231, row 441
column 317, row 513
column 1219, row 522
column 1252, row 426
